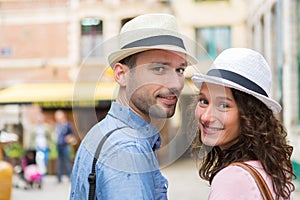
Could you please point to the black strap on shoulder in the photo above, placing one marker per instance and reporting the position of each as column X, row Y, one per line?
column 92, row 175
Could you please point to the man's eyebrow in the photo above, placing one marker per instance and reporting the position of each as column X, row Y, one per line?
column 161, row 62
column 184, row 64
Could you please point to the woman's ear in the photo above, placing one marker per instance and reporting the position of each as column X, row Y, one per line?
column 120, row 71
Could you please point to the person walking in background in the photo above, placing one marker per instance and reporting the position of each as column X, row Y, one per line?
column 40, row 139
column 64, row 132
column 237, row 121
column 149, row 68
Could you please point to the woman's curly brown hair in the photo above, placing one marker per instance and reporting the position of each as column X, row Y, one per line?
column 262, row 138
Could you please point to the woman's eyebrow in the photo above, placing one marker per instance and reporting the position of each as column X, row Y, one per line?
column 224, row 98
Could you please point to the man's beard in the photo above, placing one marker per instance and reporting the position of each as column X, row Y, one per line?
column 156, row 111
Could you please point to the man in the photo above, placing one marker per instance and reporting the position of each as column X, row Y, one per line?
column 149, row 69
column 64, row 131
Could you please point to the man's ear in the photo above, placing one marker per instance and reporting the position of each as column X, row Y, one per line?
column 120, row 71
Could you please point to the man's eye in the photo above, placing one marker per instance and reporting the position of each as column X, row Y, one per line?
column 158, row 69
column 180, row 70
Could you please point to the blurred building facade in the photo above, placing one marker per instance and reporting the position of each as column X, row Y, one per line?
column 48, row 41
column 274, row 30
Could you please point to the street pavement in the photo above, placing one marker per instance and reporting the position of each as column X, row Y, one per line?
column 184, row 184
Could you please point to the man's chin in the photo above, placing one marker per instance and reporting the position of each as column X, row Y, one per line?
column 161, row 112
column 170, row 112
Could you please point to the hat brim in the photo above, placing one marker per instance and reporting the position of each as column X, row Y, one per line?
column 116, row 56
column 198, row 79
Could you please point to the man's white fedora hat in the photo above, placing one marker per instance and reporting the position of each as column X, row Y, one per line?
column 149, row 31
column 243, row 69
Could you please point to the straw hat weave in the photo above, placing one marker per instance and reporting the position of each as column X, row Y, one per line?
column 149, row 31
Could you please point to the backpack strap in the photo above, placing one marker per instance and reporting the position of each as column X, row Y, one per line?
column 92, row 175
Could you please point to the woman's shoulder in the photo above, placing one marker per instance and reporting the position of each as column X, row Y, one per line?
column 234, row 181
column 233, row 175
column 235, row 172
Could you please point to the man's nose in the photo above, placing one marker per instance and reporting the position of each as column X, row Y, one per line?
column 174, row 81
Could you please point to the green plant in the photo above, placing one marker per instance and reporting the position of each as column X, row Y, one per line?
column 13, row 150
column 53, row 151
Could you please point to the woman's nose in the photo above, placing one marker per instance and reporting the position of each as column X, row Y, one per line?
column 207, row 115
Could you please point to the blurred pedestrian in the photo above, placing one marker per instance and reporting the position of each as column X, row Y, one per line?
column 40, row 139
column 64, row 132
column 149, row 69
column 237, row 122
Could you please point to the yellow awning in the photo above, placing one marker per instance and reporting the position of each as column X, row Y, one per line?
column 58, row 94
column 66, row 94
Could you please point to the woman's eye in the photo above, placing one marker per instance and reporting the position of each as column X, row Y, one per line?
column 223, row 105
column 203, row 101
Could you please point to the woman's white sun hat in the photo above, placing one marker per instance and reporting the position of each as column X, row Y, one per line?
column 243, row 69
column 150, row 31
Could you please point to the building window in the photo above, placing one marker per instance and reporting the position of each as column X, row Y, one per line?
column 91, row 37
column 6, row 51
column 212, row 41
column 276, row 62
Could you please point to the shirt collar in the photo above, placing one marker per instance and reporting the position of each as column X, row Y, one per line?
column 128, row 117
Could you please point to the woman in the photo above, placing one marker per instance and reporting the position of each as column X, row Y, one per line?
column 237, row 123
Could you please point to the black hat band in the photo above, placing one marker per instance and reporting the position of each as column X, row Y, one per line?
column 236, row 78
column 156, row 40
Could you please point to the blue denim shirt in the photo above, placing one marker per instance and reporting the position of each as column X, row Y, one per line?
column 127, row 167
